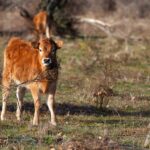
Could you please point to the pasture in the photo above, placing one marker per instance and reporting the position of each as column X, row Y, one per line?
column 86, row 63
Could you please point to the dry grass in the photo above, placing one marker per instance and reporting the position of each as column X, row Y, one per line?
column 86, row 63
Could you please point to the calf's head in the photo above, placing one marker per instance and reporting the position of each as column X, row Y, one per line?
column 47, row 49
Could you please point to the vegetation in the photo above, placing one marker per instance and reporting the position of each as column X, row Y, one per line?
column 125, row 119
column 118, row 59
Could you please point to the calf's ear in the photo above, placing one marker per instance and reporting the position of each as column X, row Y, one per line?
column 35, row 44
column 59, row 43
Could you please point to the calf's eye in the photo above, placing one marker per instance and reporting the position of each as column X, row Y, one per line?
column 40, row 49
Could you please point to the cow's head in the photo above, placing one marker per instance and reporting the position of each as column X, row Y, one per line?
column 47, row 51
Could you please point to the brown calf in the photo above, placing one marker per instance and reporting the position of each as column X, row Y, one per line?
column 33, row 69
column 40, row 21
column 41, row 25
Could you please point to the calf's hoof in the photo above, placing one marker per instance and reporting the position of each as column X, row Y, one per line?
column 3, row 118
column 53, row 123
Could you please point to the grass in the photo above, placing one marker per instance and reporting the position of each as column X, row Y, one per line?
column 125, row 120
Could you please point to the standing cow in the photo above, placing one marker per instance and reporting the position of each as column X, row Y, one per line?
column 42, row 25
column 31, row 68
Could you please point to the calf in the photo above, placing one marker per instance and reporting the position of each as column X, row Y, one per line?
column 42, row 27
column 41, row 23
column 31, row 68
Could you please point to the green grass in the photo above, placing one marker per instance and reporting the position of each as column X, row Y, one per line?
column 134, row 88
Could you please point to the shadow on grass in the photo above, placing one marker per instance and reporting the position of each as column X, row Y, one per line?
column 73, row 109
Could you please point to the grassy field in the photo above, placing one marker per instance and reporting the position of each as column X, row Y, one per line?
column 86, row 63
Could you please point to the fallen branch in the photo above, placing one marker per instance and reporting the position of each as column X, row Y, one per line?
column 93, row 21
column 107, row 28
column 98, row 23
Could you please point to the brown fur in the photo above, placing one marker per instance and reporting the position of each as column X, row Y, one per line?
column 24, row 65
column 40, row 21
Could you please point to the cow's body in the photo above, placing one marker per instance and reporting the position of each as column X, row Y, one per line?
column 26, row 66
column 41, row 24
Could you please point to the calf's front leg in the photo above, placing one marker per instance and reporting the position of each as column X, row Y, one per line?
column 51, row 103
column 35, row 95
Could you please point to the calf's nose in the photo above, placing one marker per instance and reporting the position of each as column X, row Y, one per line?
column 47, row 61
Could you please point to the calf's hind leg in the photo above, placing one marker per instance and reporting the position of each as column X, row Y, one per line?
column 5, row 94
column 20, row 95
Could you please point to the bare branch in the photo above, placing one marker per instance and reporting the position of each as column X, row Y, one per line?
column 109, row 29
column 93, row 21
column 98, row 23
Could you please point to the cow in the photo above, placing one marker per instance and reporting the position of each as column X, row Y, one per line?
column 42, row 27
column 40, row 23
column 34, row 68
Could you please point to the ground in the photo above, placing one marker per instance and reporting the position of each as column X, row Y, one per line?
column 86, row 63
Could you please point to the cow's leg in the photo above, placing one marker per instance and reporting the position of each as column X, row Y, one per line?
column 20, row 94
column 48, row 27
column 5, row 93
column 35, row 95
column 51, row 103
column 48, row 34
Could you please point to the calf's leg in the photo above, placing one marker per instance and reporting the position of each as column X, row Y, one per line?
column 51, row 103
column 20, row 95
column 35, row 95
column 5, row 93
